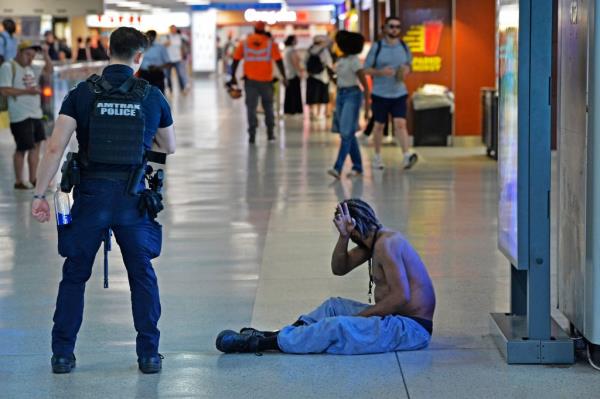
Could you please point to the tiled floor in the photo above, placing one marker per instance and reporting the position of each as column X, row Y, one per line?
column 247, row 240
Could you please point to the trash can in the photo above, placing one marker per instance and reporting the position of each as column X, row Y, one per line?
column 489, row 121
column 433, row 106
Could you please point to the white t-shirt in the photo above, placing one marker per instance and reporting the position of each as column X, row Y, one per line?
column 290, row 70
column 174, row 49
column 26, row 106
column 346, row 69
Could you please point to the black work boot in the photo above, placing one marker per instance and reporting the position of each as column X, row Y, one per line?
column 150, row 364
column 258, row 333
column 229, row 341
column 62, row 364
column 251, row 137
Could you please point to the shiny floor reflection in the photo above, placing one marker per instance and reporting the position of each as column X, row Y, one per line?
column 247, row 240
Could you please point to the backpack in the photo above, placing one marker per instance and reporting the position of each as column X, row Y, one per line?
column 117, row 121
column 314, row 65
column 4, row 45
column 378, row 49
column 4, row 99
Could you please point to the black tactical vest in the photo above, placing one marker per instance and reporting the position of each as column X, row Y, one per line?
column 117, row 123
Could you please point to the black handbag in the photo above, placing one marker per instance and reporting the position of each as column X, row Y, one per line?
column 369, row 128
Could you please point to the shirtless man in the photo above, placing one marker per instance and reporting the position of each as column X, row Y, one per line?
column 400, row 319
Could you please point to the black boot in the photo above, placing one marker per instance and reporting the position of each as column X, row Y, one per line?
column 229, row 341
column 261, row 334
column 62, row 364
column 248, row 340
column 150, row 364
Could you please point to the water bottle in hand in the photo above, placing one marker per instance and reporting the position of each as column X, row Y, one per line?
column 62, row 208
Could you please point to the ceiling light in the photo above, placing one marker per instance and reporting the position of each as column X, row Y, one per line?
column 160, row 10
column 195, row 2
column 125, row 3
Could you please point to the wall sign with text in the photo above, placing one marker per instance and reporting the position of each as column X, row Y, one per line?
column 423, row 40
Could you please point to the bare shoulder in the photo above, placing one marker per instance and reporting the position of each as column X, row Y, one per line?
column 391, row 243
column 394, row 245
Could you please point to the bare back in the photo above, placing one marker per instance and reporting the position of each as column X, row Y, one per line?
column 422, row 294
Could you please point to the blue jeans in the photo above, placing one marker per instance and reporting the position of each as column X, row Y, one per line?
column 98, row 205
column 334, row 328
column 347, row 108
column 180, row 69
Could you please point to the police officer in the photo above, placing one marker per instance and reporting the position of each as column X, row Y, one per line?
column 118, row 119
column 258, row 52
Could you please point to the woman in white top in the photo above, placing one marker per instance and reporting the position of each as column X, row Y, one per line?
column 348, row 101
column 318, row 66
column 293, row 69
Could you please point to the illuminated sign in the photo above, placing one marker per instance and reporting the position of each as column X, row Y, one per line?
column 508, row 130
column 204, row 31
column 144, row 22
column 425, row 39
column 270, row 17
column 427, row 64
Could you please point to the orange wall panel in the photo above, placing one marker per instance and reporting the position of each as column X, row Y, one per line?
column 474, row 57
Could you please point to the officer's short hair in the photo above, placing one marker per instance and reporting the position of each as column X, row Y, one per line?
column 125, row 42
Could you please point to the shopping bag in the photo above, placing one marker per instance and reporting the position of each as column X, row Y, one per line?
column 4, row 121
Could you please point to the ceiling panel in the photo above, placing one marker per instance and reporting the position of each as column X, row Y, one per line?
column 177, row 6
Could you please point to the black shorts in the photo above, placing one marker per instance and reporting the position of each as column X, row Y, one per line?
column 382, row 107
column 28, row 133
column 317, row 92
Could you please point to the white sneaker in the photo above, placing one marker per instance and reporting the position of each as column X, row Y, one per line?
column 378, row 163
column 410, row 159
column 334, row 173
column 389, row 139
column 362, row 138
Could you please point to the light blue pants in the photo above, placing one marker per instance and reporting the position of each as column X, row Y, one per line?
column 347, row 110
column 334, row 328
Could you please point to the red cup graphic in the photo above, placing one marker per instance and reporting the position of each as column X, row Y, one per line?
column 433, row 34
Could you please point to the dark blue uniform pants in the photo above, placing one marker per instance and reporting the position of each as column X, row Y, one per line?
column 98, row 205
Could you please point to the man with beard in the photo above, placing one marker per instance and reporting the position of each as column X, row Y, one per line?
column 400, row 319
column 389, row 63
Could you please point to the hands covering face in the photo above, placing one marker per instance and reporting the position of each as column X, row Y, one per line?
column 344, row 223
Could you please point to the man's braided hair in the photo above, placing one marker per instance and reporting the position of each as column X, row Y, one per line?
column 364, row 215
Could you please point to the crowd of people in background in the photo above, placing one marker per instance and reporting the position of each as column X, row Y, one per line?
column 171, row 50
column 20, row 88
column 324, row 65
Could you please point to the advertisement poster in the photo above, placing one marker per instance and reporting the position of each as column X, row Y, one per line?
column 508, row 132
column 427, row 31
